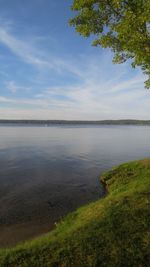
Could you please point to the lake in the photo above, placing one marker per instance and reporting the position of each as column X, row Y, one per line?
column 47, row 172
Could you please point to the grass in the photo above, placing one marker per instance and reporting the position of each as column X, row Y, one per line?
column 111, row 232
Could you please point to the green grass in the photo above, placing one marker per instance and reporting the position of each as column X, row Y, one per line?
column 111, row 232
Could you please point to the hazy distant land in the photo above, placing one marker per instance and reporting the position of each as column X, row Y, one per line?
column 76, row 122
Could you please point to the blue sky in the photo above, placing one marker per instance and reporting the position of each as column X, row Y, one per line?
column 48, row 71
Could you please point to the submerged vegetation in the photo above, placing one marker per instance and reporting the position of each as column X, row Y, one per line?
column 113, row 231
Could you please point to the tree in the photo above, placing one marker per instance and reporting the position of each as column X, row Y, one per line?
column 122, row 25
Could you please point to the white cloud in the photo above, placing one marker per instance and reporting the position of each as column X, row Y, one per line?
column 14, row 88
column 102, row 91
column 92, row 100
column 21, row 49
column 30, row 54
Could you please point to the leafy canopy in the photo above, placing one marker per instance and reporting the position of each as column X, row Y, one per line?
column 122, row 25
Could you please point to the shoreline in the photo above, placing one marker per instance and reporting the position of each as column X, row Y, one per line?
column 45, row 123
column 92, row 233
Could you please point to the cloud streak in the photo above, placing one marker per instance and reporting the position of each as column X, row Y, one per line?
column 12, row 87
column 30, row 54
column 91, row 100
column 100, row 91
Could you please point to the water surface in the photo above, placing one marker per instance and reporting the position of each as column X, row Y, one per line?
column 46, row 172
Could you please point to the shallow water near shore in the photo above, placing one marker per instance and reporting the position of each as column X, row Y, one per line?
column 47, row 172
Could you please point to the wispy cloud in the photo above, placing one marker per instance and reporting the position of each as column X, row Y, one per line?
column 101, row 90
column 30, row 54
column 93, row 99
column 22, row 49
column 14, row 88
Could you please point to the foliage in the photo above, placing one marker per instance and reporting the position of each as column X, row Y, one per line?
column 113, row 231
column 122, row 25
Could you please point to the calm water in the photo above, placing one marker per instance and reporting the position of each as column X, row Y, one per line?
column 46, row 172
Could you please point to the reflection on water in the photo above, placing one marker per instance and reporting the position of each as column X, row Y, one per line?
column 46, row 172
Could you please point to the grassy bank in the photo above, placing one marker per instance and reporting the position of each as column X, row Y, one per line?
column 113, row 231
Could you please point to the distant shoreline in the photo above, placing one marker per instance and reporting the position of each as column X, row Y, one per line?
column 76, row 122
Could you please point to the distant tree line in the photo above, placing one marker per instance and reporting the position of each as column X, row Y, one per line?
column 75, row 122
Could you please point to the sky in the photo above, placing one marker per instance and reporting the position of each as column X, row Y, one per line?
column 48, row 71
